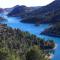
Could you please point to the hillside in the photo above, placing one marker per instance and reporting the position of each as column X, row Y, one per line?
column 49, row 17
column 53, row 31
column 45, row 14
column 21, row 10
column 18, row 45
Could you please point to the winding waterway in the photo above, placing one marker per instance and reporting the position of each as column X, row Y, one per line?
column 15, row 23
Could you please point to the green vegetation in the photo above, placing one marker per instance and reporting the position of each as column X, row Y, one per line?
column 18, row 45
column 35, row 54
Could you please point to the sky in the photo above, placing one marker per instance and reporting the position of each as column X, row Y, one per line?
column 11, row 3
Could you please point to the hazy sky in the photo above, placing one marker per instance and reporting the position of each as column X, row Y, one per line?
column 10, row 3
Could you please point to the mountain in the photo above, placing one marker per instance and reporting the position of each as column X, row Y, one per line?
column 49, row 8
column 51, row 17
column 17, row 10
column 21, row 10
column 46, row 14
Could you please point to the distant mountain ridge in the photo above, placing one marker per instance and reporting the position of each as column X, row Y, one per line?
column 16, row 10
column 45, row 14
column 41, row 10
column 49, row 8
column 21, row 10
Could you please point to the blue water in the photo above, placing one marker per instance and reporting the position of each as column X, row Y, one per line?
column 15, row 23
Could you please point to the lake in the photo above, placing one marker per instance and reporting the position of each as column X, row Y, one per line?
column 14, row 22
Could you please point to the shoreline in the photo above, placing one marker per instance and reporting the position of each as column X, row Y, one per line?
column 52, row 55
